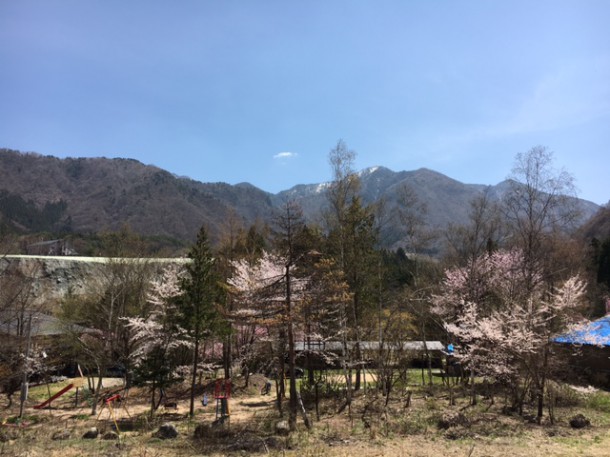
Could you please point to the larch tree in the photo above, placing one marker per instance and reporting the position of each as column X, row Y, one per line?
column 322, row 310
column 270, row 293
column 352, row 239
column 233, row 234
column 289, row 242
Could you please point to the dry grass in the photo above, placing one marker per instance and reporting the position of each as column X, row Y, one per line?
column 371, row 431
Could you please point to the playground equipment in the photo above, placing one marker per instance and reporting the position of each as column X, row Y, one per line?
column 48, row 401
column 222, row 393
column 107, row 403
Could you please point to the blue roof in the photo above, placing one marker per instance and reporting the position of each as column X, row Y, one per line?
column 596, row 333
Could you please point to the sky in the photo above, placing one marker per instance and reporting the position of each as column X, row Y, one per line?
column 261, row 91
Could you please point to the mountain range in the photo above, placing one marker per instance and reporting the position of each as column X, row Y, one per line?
column 90, row 195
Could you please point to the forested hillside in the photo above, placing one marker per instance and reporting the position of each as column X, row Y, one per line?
column 97, row 195
column 78, row 196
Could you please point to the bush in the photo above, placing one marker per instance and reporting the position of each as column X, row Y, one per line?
column 599, row 401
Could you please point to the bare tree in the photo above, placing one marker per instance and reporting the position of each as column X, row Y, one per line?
column 411, row 213
column 537, row 205
column 119, row 292
column 482, row 233
column 19, row 306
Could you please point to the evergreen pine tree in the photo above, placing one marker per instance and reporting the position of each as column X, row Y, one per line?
column 198, row 307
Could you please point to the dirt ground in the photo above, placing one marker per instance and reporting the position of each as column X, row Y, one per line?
column 411, row 431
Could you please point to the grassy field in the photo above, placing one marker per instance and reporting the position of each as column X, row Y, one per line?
column 371, row 428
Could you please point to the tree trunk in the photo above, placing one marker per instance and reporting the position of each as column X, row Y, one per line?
column 348, row 379
column 194, row 377
column 303, row 412
column 541, row 386
column 96, row 395
column 152, row 398
column 357, row 351
column 24, row 383
column 227, row 356
column 294, row 405
column 308, row 360
column 281, row 374
column 358, row 366
column 427, row 354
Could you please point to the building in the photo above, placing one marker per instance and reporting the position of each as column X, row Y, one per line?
column 587, row 348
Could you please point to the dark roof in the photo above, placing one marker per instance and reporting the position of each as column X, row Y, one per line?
column 596, row 333
column 370, row 345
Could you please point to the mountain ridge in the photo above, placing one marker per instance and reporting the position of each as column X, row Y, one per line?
column 100, row 194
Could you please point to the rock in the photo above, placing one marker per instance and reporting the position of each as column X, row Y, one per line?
column 166, row 431
column 91, row 434
column 61, row 435
column 530, row 418
column 457, row 433
column 8, row 435
column 579, row 421
column 282, row 428
column 249, row 444
column 211, row 431
column 274, row 442
column 201, row 431
column 110, row 436
column 452, row 419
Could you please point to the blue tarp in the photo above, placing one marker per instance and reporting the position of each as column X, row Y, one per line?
column 597, row 333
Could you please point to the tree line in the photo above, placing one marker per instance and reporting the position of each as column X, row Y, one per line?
column 268, row 297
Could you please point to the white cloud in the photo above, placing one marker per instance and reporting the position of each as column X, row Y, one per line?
column 285, row 155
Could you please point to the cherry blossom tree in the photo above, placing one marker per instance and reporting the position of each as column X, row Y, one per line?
column 259, row 290
column 503, row 329
column 254, row 314
column 271, row 296
column 157, row 335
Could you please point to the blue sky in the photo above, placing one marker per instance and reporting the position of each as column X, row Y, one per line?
column 260, row 91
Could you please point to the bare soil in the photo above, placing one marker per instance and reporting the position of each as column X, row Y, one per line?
column 372, row 430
